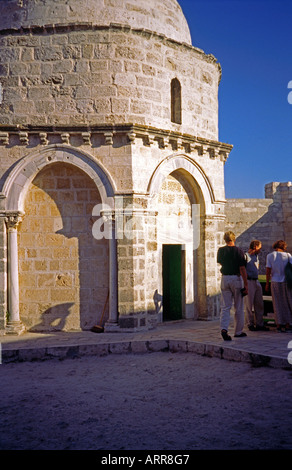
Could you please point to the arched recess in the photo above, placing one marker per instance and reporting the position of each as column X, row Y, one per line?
column 15, row 190
column 19, row 178
column 179, row 174
column 203, row 187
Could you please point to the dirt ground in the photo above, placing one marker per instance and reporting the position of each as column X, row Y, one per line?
column 156, row 401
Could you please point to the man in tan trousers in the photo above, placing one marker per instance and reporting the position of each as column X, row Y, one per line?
column 233, row 286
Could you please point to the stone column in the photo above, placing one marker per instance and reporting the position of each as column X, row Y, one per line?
column 213, row 229
column 3, row 272
column 14, row 325
column 112, row 322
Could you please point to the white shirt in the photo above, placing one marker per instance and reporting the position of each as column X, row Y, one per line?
column 277, row 261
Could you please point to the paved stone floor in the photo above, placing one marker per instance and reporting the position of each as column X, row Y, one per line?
column 199, row 337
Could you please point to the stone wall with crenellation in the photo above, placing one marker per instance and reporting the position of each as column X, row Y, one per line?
column 267, row 220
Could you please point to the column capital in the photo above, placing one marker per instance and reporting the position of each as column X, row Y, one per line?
column 12, row 219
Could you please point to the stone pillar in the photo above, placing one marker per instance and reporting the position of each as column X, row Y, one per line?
column 112, row 323
column 14, row 325
column 3, row 272
column 137, row 263
column 209, row 290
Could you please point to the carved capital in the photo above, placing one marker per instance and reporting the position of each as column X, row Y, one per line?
column 13, row 219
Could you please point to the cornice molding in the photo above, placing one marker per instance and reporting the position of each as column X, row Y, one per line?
column 149, row 135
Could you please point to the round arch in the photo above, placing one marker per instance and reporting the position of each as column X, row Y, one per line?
column 14, row 191
column 183, row 252
column 23, row 173
column 182, row 162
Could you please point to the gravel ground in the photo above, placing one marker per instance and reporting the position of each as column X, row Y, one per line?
column 156, row 401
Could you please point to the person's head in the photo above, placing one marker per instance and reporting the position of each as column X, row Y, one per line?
column 280, row 245
column 229, row 237
column 255, row 246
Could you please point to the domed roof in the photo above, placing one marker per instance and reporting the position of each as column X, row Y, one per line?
column 160, row 16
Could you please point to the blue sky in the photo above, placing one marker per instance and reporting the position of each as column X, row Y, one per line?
column 252, row 40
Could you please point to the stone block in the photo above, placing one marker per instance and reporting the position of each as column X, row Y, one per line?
column 196, row 348
column 139, row 347
column 178, row 346
column 120, row 348
column 157, row 345
column 98, row 350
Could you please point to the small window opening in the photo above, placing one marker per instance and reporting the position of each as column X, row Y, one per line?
column 176, row 101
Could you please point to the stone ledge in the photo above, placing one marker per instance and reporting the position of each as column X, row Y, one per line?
column 143, row 347
column 108, row 133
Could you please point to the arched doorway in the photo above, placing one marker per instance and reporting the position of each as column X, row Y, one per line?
column 182, row 195
column 177, row 232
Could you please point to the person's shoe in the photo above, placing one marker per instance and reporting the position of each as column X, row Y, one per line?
column 252, row 328
column 262, row 328
column 225, row 335
column 241, row 335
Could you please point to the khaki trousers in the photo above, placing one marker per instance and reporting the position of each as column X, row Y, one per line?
column 254, row 304
column 230, row 293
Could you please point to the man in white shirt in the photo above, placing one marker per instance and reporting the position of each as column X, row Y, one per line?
column 281, row 294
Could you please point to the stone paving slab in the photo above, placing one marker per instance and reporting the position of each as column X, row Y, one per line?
column 197, row 337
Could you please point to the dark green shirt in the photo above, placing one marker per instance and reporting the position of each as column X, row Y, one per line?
column 231, row 259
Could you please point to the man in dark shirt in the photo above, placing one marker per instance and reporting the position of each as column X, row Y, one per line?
column 233, row 286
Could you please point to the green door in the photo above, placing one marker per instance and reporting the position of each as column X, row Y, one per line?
column 172, row 282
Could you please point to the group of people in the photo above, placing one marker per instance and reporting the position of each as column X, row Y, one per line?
column 240, row 285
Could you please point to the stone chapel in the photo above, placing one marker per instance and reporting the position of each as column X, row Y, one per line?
column 112, row 176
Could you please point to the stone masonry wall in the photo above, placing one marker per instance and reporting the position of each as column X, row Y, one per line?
column 137, row 263
column 103, row 76
column 63, row 270
column 267, row 220
column 282, row 197
column 251, row 219
column 164, row 17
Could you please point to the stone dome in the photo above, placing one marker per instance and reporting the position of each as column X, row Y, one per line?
column 163, row 16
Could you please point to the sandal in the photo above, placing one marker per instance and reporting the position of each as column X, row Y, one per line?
column 225, row 335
